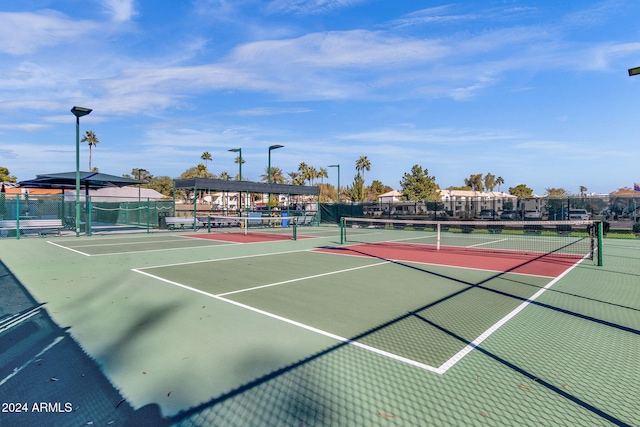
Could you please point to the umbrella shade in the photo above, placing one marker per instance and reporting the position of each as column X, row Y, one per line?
column 92, row 180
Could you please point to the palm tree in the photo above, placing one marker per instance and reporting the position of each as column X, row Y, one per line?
column 225, row 176
column 322, row 173
column 295, row 178
column 499, row 181
column 312, row 174
column 276, row 176
column 206, row 156
column 201, row 170
column 583, row 190
column 362, row 164
column 90, row 138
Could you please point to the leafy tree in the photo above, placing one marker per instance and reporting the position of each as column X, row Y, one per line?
column 91, row 139
column 555, row 202
column 376, row 189
column 475, row 182
column 521, row 191
column 328, row 193
column 489, row 182
column 418, row 185
column 5, row 177
column 199, row 171
column 162, row 184
column 623, row 191
column 356, row 192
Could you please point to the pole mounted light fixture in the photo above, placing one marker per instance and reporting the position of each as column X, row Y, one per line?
column 634, row 71
column 272, row 147
column 337, row 166
column 239, row 151
column 78, row 112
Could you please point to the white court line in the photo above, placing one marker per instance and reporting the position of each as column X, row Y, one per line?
column 302, row 278
column 228, row 259
column 295, row 323
column 28, row 362
column 458, row 356
column 128, row 243
column 148, row 250
column 487, row 243
column 67, row 248
column 439, row 370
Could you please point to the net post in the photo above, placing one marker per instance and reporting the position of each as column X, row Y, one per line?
column 438, row 236
column 208, row 223
column 89, row 214
column 17, row 216
column 246, row 225
column 600, row 244
column 341, row 230
column 148, row 215
column 295, row 230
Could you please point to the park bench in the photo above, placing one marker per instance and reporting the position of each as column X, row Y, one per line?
column 40, row 226
column 182, row 222
column 223, row 222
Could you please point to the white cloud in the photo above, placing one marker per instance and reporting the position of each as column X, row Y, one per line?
column 120, row 10
column 310, row 7
column 26, row 32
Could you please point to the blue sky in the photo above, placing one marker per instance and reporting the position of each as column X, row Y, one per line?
column 534, row 91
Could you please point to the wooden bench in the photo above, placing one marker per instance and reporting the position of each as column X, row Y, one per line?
column 182, row 222
column 41, row 226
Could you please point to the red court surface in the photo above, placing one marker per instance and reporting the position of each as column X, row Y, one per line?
column 253, row 237
column 528, row 263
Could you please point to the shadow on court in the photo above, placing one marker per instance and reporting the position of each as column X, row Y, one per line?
column 45, row 376
column 343, row 385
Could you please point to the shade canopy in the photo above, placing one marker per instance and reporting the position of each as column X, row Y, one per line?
column 242, row 186
column 91, row 180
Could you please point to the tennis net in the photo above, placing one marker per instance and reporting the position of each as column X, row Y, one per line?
column 550, row 238
column 268, row 227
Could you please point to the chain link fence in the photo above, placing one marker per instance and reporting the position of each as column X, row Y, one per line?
column 619, row 213
column 24, row 214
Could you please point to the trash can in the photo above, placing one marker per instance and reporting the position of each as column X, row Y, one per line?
column 162, row 220
column 285, row 220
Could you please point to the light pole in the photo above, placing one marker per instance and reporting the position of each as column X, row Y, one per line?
column 139, row 182
column 78, row 112
column 338, row 207
column 337, row 166
column 273, row 147
column 239, row 151
column 140, row 185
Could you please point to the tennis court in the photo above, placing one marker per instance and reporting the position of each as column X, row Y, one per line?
column 235, row 328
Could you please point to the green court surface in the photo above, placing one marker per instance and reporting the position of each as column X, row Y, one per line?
column 173, row 330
